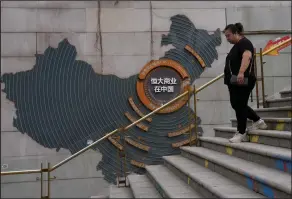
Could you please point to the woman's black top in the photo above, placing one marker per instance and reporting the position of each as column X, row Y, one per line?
column 235, row 57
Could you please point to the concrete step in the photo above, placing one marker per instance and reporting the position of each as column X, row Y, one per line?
column 100, row 196
column 281, row 112
column 120, row 192
column 281, row 102
column 279, row 124
column 205, row 181
column 266, row 137
column 266, row 181
column 269, row 156
column 168, row 184
column 142, row 187
column 287, row 93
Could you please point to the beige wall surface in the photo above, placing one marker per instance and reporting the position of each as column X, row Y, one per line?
column 126, row 30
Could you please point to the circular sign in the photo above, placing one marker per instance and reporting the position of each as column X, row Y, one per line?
column 161, row 81
column 162, row 84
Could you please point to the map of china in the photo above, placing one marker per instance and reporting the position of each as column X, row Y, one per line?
column 63, row 103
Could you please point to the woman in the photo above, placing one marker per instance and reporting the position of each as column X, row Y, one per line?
column 240, row 79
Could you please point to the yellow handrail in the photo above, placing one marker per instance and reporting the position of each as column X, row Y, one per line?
column 134, row 123
column 21, row 172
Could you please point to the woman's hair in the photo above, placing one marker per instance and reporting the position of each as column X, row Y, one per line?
column 235, row 28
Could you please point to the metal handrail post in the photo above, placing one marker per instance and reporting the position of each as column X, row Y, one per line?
column 257, row 83
column 49, row 181
column 190, row 117
column 262, row 77
column 42, row 178
column 195, row 116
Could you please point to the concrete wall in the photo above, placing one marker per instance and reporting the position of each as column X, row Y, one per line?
column 127, row 29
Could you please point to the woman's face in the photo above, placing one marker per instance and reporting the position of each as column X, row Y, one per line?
column 231, row 38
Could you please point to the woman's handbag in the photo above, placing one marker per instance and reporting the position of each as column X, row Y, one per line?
column 233, row 79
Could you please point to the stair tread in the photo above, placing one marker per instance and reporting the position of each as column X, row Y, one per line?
column 120, row 192
column 284, row 108
column 100, row 196
column 272, row 177
column 272, row 119
column 286, row 91
column 270, row 133
column 279, row 99
column 272, row 151
column 214, row 182
column 142, row 187
column 170, row 183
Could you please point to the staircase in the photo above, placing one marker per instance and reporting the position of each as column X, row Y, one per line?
column 260, row 168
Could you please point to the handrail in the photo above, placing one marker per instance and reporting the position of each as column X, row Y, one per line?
column 267, row 32
column 134, row 123
column 21, row 172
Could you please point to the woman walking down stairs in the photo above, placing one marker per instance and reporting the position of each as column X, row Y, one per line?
column 259, row 168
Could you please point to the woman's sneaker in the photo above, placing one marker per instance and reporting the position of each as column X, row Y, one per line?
column 237, row 138
column 258, row 125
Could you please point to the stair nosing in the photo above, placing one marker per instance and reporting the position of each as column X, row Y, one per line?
column 271, row 119
column 286, row 91
column 214, row 140
column 283, row 108
column 242, row 171
column 279, row 99
column 276, row 134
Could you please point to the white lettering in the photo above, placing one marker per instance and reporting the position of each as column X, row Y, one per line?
column 160, row 81
column 153, row 80
column 173, row 81
column 164, row 89
column 157, row 89
column 166, row 80
column 170, row 89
